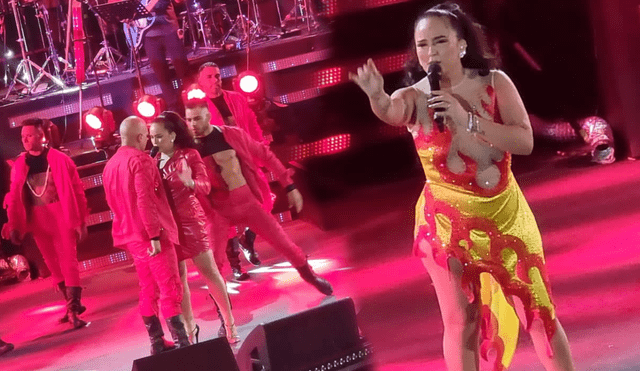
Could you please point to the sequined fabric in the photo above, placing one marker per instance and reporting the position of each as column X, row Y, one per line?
column 491, row 231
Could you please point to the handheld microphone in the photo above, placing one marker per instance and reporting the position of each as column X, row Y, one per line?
column 154, row 151
column 434, row 73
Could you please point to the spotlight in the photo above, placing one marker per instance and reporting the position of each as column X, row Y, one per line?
column 99, row 123
column 148, row 107
column 193, row 94
column 250, row 84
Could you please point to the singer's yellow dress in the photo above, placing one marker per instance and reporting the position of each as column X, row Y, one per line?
column 491, row 231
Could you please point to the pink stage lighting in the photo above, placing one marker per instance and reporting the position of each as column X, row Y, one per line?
column 327, row 146
column 148, row 107
column 99, row 123
column 250, row 84
column 193, row 93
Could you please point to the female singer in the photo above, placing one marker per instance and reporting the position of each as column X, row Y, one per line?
column 185, row 176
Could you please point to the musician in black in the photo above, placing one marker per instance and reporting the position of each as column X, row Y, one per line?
column 161, row 41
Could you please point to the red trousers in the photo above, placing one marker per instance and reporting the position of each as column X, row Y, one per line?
column 157, row 275
column 57, row 243
column 242, row 208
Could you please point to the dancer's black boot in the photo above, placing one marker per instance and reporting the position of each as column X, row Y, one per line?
column 246, row 244
column 74, row 306
column 63, row 290
column 233, row 252
column 156, row 335
column 178, row 332
column 311, row 277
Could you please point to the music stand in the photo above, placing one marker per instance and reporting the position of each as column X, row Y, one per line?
column 125, row 11
column 122, row 11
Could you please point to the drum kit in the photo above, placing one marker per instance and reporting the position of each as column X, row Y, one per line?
column 203, row 25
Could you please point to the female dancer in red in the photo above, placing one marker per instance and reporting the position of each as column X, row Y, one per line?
column 185, row 176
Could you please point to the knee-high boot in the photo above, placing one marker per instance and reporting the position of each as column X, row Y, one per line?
column 178, row 333
column 73, row 306
column 316, row 281
column 156, row 335
column 63, row 289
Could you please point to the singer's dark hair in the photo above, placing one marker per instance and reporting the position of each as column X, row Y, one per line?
column 174, row 123
column 477, row 55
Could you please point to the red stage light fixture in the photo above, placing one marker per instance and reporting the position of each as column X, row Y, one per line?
column 250, row 84
column 99, row 123
column 193, row 93
column 148, row 107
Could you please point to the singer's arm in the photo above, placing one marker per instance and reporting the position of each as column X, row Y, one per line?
column 394, row 110
column 514, row 135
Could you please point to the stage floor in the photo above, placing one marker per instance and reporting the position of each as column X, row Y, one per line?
column 588, row 217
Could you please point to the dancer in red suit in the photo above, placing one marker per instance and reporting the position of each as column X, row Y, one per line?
column 47, row 199
column 230, row 108
column 142, row 222
column 185, row 177
column 237, row 191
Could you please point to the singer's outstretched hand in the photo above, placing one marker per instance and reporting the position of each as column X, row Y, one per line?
column 448, row 106
column 368, row 78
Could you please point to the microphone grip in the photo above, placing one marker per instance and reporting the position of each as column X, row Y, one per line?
column 439, row 122
column 154, row 151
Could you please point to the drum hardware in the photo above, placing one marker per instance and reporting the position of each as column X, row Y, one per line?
column 302, row 11
column 53, row 56
column 241, row 28
column 106, row 52
column 25, row 69
column 262, row 31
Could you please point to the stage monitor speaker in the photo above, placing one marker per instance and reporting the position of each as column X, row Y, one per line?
column 322, row 338
column 211, row 355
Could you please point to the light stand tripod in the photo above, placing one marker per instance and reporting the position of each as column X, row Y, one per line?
column 302, row 11
column 53, row 57
column 260, row 30
column 241, row 27
column 24, row 70
column 107, row 52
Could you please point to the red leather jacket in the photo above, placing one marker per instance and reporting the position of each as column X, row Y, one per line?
column 68, row 185
column 186, row 208
column 250, row 153
column 242, row 113
column 137, row 198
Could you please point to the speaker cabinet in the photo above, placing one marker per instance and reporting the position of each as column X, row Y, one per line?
column 211, row 355
column 325, row 337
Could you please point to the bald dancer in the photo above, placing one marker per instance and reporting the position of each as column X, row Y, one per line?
column 143, row 223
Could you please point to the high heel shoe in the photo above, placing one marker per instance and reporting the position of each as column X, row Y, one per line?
column 232, row 334
column 194, row 334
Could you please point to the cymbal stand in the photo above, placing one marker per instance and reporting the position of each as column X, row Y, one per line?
column 260, row 31
column 53, row 56
column 24, row 70
column 306, row 14
column 242, row 27
column 107, row 52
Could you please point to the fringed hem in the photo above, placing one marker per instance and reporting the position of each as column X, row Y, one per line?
column 492, row 263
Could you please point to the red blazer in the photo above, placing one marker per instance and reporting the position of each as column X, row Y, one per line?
column 137, row 198
column 242, row 113
column 70, row 191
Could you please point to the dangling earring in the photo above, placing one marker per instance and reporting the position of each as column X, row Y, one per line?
column 463, row 52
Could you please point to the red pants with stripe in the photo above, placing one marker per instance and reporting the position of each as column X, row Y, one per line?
column 242, row 208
